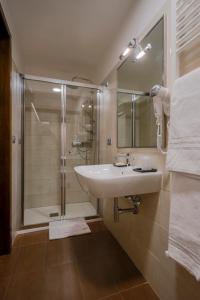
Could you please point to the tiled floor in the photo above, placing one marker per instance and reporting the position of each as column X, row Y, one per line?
column 87, row 267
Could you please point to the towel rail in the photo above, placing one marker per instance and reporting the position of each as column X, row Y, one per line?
column 187, row 23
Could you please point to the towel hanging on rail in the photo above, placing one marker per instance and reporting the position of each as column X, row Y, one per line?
column 184, row 133
column 183, row 159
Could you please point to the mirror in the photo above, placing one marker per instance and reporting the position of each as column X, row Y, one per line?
column 136, row 124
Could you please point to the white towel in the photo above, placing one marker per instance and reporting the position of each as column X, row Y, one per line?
column 64, row 228
column 183, row 159
column 184, row 132
column 184, row 229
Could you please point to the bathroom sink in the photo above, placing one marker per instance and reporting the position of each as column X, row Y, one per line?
column 106, row 181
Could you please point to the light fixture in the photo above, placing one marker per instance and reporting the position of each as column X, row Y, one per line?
column 142, row 52
column 82, row 105
column 56, row 90
column 89, row 106
column 126, row 51
column 131, row 45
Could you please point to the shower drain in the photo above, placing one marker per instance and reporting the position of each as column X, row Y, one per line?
column 54, row 214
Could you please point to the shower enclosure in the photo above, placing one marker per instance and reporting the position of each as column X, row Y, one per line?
column 60, row 131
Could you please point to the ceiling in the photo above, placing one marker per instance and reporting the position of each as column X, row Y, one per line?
column 66, row 36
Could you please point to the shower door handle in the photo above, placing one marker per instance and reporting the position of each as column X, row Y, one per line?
column 63, row 160
column 63, row 184
column 63, row 192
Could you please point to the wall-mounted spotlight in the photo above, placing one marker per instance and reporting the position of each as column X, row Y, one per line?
column 139, row 51
column 142, row 52
column 131, row 45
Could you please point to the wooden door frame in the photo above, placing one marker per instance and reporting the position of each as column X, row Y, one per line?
column 5, row 136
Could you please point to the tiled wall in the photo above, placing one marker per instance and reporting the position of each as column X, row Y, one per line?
column 145, row 236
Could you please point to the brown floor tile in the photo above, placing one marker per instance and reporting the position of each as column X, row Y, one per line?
column 62, row 283
column 3, row 286
column 97, row 226
column 97, row 280
column 142, row 292
column 18, row 241
column 59, row 252
column 113, row 297
column 31, row 258
column 8, row 263
column 86, row 267
column 125, row 273
column 34, row 238
column 26, row 286
column 94, row 245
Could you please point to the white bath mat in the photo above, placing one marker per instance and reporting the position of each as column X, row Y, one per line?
column 65, row 228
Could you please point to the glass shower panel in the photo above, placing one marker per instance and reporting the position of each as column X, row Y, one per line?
column 145, row 123
column 81, row 147
column 42, row 151
column 124, row 120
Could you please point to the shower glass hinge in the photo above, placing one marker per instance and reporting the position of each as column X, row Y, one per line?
column 54, row 214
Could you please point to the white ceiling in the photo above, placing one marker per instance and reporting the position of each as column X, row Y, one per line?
column 66, row 36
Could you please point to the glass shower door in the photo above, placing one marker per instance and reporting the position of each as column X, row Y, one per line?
column 42, row 151
column 60, row 132
column 80, row 148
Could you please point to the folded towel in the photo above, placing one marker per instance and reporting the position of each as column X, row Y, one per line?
column 184, row 229
column 184, row 132
column 64, row 228
column 183, row 159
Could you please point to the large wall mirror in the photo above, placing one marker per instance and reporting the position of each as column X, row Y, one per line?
column 136, row 124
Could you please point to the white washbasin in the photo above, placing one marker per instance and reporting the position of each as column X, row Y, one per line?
column 106, row 181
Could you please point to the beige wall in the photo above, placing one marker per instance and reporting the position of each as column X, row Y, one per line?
column 145, row 236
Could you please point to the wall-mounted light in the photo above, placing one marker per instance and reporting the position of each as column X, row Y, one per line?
column 56, row 90
column 126, row 51
column 142, row 52
column 131, row 45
